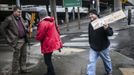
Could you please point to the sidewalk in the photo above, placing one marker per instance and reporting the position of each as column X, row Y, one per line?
column 119, row 60
column 77, row 59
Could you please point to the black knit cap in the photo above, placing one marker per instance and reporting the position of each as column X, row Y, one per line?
column 94, row 12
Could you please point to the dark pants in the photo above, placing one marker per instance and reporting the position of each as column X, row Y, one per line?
column 48, row 62
column 19, row 58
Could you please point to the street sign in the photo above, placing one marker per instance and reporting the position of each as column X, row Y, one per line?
column 108, row 19
column 72, row 3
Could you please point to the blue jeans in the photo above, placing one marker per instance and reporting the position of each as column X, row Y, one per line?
column 93, row 56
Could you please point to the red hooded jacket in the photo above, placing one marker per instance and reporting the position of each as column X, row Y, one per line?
column 48, row 35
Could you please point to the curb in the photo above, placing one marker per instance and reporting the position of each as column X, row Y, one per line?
column 125, row 27
column 127, row 71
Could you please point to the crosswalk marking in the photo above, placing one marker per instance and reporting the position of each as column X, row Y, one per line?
column 76, row 44
column 113, row 44
column 116, row 33
column 80, row 39
column 85, row 31
column 38, row 44
column 84, row 35
column 112, row 37
column 62, row 36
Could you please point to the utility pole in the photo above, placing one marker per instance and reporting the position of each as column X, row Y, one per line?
column 78, row 17
column 66, row 19
column 18, row 3
column 47, row 7
column 117, row 5
column 98, row 6
column 52, row 7
column 73, row 12
column 72, row 3
column 53, row 10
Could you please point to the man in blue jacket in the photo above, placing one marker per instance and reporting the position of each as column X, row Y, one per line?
column 99, row 43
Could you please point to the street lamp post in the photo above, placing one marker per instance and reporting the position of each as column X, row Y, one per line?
column 53, row 10
column 93, row 2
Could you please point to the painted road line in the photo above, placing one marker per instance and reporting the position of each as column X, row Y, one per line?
column 76, row 44
column 113, row 44
column 84, row 35
column 62, row 36
column 37, row 44
column 116, row 33
column 112, row 37
column 79, row 39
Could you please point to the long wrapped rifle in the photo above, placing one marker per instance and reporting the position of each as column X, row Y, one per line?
column 30, row 29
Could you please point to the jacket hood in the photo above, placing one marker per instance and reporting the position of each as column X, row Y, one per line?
column 48, row 18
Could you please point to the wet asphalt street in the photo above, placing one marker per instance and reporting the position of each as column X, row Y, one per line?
column 74, row 62
column 123, row 42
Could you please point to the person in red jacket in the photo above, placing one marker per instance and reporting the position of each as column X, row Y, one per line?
column 49, row 38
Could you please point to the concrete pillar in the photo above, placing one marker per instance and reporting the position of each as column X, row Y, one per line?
column 52, row 7
column 73, row 12
column 67, row 18
column 53, row 10
column 79, row 18
column 117, row 5
column 18, row 3
column 98, row 6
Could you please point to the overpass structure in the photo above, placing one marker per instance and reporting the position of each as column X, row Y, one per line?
column 129, row 2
